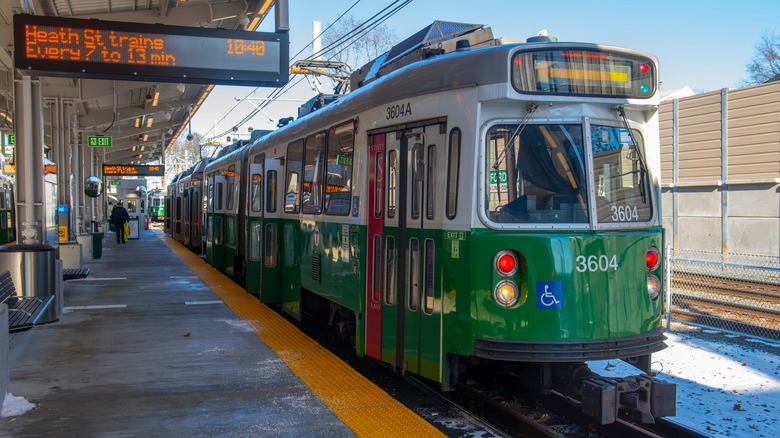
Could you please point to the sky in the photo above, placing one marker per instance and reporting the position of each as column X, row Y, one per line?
column 701, row 44
column 727, row 385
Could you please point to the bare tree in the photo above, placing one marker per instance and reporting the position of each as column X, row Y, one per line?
column 182, row 154
column 350, row 41
column 765, row 65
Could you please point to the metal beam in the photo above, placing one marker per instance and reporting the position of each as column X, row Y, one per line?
column 201, row 15
column 124, row 155
column 92, row 89
column 101, row 117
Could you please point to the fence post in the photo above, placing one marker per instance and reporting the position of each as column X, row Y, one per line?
column 668, row 281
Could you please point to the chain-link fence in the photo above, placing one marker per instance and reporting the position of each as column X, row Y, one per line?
column 739, row 292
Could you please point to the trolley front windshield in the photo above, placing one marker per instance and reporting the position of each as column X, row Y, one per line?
column 538, row 175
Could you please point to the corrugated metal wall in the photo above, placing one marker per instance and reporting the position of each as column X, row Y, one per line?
column 752, row 142
column 720, row 171
column 754, row 133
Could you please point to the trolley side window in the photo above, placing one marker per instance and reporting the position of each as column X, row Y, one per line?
column 270, row 245
column 392, row 183
column 390, row 271
column 430, row 195
column 186, row 204
column 254, row 241
column 294, row 167
column 414, row 274
column 418, row 176
column 270, row 191
column 218, row 192
column 256, row 201
column 453, row 173
column 231, row 187
column 218, row 231
column 313, row 169
column 209, row 196
column 338, row 182
column 429, row 277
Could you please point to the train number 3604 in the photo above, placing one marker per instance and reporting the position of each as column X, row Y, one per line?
column 624, row 213
column 602, row 263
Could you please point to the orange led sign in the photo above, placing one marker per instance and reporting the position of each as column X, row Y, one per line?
column 53, row 46
column 132, row 170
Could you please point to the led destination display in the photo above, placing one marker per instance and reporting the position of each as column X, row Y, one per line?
column 132, row 170
column 117, row 50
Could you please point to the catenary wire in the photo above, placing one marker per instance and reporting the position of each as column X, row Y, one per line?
column 356, row 33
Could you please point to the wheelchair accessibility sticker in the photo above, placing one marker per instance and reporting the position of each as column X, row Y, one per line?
column 549, row 295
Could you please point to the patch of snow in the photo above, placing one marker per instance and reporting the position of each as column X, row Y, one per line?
column 14, row 406
column 726, row 386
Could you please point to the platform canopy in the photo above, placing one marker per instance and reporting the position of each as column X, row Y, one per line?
column 137, row 115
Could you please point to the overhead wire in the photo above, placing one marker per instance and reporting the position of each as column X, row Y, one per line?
column 278, row 91
column 360, row 31
column 351, row 37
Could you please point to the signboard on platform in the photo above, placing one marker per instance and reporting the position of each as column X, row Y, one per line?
column 133, row 170
column 68, row 47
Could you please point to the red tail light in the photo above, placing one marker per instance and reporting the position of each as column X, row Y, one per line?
column 506, row 263
column 652, row 258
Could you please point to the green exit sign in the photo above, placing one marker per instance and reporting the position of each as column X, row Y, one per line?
column 99, row 141
column 11, row 139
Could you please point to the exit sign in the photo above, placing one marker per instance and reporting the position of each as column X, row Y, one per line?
column 11, row 139
column 99, row 141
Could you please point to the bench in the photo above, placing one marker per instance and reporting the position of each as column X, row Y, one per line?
column 73, row 274
column 23, row 312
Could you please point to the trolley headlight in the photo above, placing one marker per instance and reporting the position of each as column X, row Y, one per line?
column 653, row 286
column 506, row 293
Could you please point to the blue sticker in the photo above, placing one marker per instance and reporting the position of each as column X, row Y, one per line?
column 549, row 295
column 355, row 205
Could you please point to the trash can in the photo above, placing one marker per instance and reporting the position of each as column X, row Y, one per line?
column 97, row 245
column 34, row 272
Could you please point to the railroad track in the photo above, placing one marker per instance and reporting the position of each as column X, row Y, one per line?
column 738, row 305
column 515, row 411
column 739, row 289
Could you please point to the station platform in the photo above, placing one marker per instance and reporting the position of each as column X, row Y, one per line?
column 154, row 342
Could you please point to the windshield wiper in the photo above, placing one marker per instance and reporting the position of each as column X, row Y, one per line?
column 642, row 169
column 523, row 122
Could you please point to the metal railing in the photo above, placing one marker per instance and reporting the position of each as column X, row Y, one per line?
column 738, row 292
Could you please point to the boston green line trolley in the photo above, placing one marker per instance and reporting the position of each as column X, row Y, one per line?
column 470, row 204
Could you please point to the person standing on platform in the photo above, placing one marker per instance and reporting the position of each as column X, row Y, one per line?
column 119, row 217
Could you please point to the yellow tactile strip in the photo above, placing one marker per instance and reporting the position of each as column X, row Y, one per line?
column 360, row 404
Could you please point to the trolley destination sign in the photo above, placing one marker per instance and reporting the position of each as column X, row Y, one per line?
column 54, row 46
column 133, row 170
